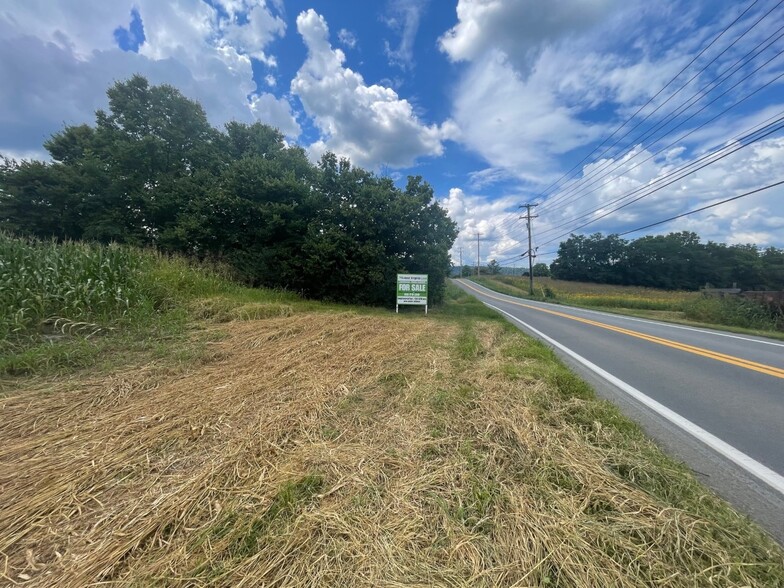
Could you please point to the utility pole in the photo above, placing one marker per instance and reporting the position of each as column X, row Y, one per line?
column 478, row 234
column 528, row 218
column 461, row 260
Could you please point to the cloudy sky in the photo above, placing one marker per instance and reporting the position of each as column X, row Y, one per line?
column 578, row 106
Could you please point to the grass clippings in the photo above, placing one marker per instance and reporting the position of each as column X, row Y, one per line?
column 338, row 449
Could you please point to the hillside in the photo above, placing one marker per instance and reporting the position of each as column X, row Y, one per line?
column 267, row 440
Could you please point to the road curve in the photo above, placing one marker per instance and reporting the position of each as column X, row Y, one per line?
column 713, row 399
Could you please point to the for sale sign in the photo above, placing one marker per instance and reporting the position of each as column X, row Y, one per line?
column 412, row 289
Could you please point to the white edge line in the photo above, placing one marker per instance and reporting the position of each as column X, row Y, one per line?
column 635, row 319
column 749, row 464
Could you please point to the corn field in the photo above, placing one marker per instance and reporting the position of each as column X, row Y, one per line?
column 65, row 284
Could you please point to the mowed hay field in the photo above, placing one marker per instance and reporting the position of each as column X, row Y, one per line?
column 348, row 448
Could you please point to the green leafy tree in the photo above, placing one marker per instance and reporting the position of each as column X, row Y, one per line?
column 493, row 267
column 541, row 270
column 673, row 261
column 152, row 171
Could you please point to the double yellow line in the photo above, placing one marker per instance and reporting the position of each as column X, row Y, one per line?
column 737, row 361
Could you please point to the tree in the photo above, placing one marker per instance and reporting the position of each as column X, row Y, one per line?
column 673, row 261
column 493, row 268
column 773, row 268
column 369, row 230
column 541, row 270
column 153, row 172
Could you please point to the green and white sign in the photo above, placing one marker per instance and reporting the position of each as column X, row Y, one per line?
column 412, row 289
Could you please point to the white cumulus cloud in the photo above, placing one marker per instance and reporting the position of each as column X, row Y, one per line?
column 518, row 28
column 495, row 221
column 370, row 124
column 347, row 38
column 60, row 57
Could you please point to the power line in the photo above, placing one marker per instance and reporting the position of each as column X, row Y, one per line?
column 696, row 210
column 773, row 80
column 742, row 140
column 708, row 46
column 577, row 189
column 745, row 139
column 688, row 213
column 678, row 140
column 780, row 126
column 671, row 117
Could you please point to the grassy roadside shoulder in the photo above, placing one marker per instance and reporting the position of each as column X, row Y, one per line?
column 725, row 315
column 318, row 445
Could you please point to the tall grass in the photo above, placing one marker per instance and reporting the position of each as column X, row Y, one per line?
column 600, row 295
column 736, row 312
column 71, row 305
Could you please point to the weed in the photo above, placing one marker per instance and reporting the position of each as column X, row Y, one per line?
column 291, row 499
column 445, row 399
column 733, row 311
column 474, row 509
column 468, row 345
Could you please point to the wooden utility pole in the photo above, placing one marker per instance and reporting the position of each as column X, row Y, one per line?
column 531, row 256
column 461, row 260
column 478, row 234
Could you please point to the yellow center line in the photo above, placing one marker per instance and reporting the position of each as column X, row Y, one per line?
column 737, row 361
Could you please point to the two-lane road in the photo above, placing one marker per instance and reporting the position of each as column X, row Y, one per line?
column 714, row 399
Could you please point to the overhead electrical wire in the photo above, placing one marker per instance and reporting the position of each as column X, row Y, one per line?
column 641, row 108
column 741, row 137
column 740, row 141
column 671, row 116
column 675, row 217
column 702, row 208
column 578, row 188
column 779, row 125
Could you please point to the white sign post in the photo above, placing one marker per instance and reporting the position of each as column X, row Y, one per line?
column 411, row 289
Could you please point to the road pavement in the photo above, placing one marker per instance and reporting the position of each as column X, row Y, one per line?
column 713, row 399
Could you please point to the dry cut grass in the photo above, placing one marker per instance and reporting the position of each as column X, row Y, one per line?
column 347, row 450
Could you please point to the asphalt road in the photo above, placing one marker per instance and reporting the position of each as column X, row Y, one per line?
column 713, row 399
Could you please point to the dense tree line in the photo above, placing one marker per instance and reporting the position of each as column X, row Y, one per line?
column 674, row 261
column 152, row 171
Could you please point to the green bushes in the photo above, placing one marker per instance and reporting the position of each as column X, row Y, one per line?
column 733, row 311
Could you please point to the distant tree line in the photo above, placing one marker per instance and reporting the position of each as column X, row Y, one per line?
column 675, row 261
column 152, row 171
column 493, row 268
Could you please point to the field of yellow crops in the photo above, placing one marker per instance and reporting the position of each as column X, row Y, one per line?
column 602, row 295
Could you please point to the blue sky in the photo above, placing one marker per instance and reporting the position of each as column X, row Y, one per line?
column 495, row 102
